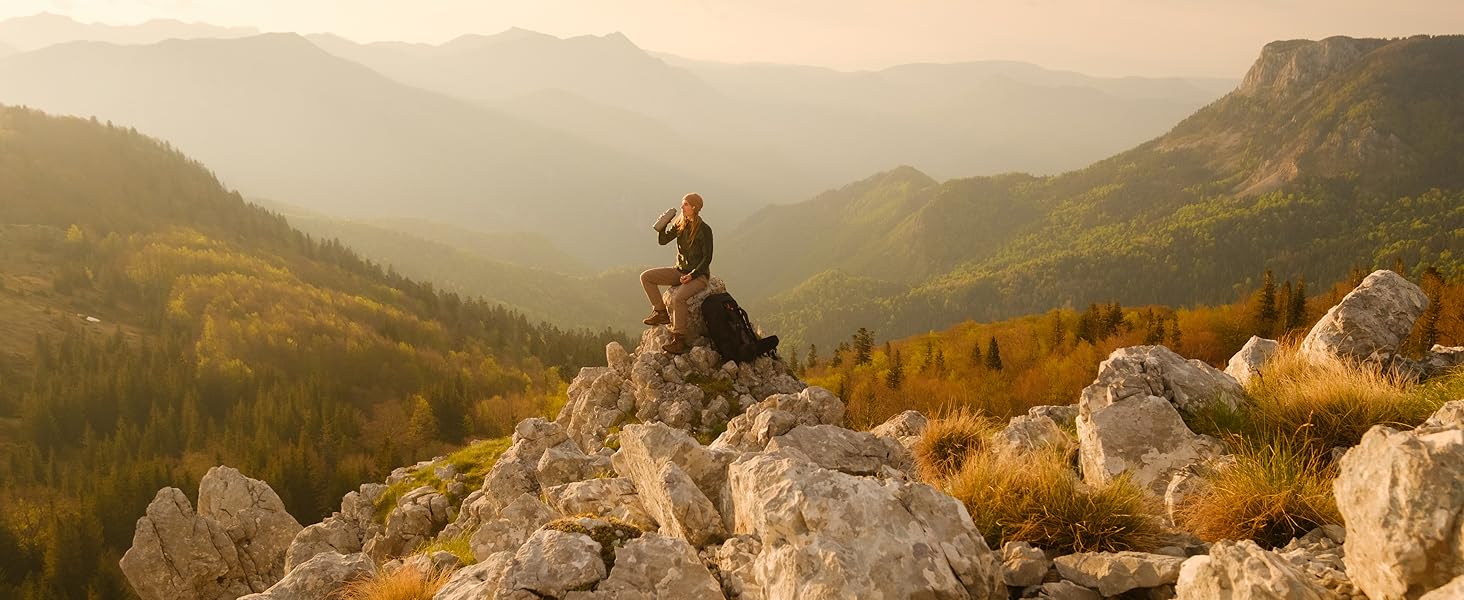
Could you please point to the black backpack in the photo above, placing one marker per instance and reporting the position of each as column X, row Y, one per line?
column 731, row 333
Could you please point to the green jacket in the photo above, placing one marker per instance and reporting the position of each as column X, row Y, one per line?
column 692, row 256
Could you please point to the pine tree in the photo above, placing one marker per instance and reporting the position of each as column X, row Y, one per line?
column 1283, row 305
column 863, row 346
column 812, row 356
column 793, row 364
column 1296, row 311
column 1174, row 336
column 1059, row 330
column 422, row 426
column 1266, row 315
column 1428, row 324
column 976, row 359
column 993, row 355
column 940, row 364
column 896, row 376
column 927, row 357
column 1112, row 319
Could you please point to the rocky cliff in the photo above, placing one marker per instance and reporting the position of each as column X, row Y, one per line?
column 689, row 477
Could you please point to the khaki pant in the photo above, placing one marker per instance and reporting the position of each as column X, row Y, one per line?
column 652, row 278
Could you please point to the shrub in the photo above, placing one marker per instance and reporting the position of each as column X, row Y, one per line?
column 1270, row 494
column 406, row 583
column 1037, row 498
column 946, row 442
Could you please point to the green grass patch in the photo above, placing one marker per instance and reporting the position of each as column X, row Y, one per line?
column 474, row 461
column 1037, row 498
column 460, row 546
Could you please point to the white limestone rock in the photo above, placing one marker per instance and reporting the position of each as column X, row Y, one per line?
column 419, row 515
column 660, row 567
column 1401, row 494
column 1025, row 434
column 1113, row 573
column 1452, row 590
column 1140, row 371
column 734, row 562
column 778, row 414
column 1249, row 361
column 1373, row 318
column 176, row 553
column 323, row 576
column 852, row 452
column 1244, row 571
column 254, row 517
column 607, row 497
column 332, row 535
column 1450, row 415
column 1022, row 565
column 1143, row 436
column 482, row 581
column 515, row 523
column 551, row 563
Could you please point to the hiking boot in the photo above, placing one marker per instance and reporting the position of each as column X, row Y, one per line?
column 659, row 317
column 676, row 345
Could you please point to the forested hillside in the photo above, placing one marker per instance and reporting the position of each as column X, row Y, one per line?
column 1003, row 368
column 155, row 324
column 1345, row 154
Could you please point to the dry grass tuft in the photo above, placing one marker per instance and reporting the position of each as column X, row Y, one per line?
column 947, row 441
column 1037, row 498
column 1271, row 494
column 406, row 583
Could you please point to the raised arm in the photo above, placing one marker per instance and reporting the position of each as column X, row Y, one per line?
column 665, row 235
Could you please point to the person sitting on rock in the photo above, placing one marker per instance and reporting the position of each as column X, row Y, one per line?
column 693, row 266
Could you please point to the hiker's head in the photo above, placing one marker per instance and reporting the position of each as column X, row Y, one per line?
column 691, row 205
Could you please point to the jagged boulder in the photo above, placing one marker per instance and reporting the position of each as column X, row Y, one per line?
column 323, row 576
column 566, row 463
column 778, row 414
column 481, row 581
column 1401, row 494
column 696, row 326
column 551, row 563
column 1244, row 571
column 1063, row 590
column 1251, row 358
column 605, row 497
column 656, row 566
column 176, row 553
column 1452, row 590
column 826, row 534
column 1022, row 565
column 515, row 523
column 599, row 398
column 1143, row 436
column 734, row 561
column 1113, row 573
column 343, row 532
column 1371, row 319
column 904, row 428
column 1450, row 415
column 254, row 517
column 1065, row 416
column 419, row 515
column 852, row 452
column 1139, row 371
column 1026, row 433
column 1192, row 481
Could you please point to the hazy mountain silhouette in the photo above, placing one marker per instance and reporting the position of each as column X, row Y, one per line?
column 45, row 29
column 829, row 126
column 280, row 118
column 1330, row 154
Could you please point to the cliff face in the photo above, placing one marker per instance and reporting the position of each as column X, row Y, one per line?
column 1295, row 66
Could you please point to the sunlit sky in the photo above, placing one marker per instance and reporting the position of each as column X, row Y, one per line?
column 1100, row 37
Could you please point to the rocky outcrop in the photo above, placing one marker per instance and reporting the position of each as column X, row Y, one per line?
column 656, row 566
column 343, row 532
column 551, row 563
column 1293, row 67
column 1113, row 573
column 1139, row 371
column 477, row 582
column 852, row 452
column 1401, row 494
column 818, row 537
column 1450, row 415
column 605, row 497
column 176, row 553
column 515, row 523
column 779, row 414
column 323, row 576
column 254, row 517
column 1370, row 320
column 1247, row 363
column 234, row 545
column 1244, row 571
column 1142, row 436
column 734, row 562
column 418, row 516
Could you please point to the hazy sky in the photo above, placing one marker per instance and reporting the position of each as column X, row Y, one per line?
column 1100, row 37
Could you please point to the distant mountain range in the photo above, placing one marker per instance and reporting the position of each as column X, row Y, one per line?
column 45, row 29
column 579, row 139
column 1331, row 154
